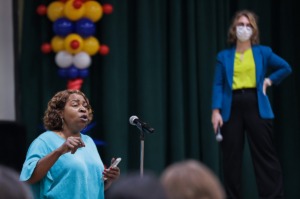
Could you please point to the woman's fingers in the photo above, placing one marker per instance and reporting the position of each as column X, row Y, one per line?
column 112, row 173
column 264, row 88
column 216, row 120
column 74, row 143
column 267, row 82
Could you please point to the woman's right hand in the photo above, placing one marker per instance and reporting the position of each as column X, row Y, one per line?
column 71, row 145
column 216, row 119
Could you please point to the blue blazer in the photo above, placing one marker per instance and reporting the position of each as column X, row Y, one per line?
column 264, row 59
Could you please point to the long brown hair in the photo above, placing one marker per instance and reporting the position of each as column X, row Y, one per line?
column 52, row 118
column 253, row 19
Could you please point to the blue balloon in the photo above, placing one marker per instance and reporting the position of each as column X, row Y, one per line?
column 63, row 72
column 85, row 27
column 73, row 72
column 63, row 27
column 83, row 73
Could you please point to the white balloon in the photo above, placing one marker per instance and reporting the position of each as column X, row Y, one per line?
column 63, row 59
column 82, row 60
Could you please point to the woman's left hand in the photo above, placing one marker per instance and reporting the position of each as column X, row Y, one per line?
column 111, row 174
column 267, row 82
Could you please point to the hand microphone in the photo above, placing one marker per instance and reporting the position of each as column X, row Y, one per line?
column 135, row 121
column 219, row 136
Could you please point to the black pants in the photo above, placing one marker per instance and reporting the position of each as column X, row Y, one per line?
column 245, row 121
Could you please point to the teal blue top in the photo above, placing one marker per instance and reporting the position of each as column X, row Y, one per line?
column 73, row 176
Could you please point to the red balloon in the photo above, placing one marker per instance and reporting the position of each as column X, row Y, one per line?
column 77, row 4
column 41, row 10
column 104, row 49
column 74, row 44
column 107, row 8
column 75, row 84
column 46, row 48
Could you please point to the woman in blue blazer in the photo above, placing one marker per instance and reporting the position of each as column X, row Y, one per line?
column 240, row 106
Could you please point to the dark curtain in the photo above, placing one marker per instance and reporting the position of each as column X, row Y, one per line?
column 160, row 68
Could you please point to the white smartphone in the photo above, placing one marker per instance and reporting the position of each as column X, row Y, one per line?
column 114, row 164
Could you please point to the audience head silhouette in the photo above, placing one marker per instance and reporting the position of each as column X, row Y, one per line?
column 191, row 179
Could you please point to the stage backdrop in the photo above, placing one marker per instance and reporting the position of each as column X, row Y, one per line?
column 160, row 68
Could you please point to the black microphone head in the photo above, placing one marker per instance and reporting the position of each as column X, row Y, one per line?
column 132, row 118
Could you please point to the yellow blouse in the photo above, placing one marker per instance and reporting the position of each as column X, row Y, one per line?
column 244, row 70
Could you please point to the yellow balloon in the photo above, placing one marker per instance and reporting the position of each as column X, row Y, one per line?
column 73, row 43
column 73, row 13
column 91, row 45
column 55, row 10
column 93, row 10
column 57, row 44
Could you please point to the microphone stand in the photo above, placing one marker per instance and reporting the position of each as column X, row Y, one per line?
column 142, row 139
column 142, row 127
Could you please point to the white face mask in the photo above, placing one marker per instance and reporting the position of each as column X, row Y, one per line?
column 243, row 33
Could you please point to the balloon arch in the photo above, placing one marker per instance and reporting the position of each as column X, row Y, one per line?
column 74, row 41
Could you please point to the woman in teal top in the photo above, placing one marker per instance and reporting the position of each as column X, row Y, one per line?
column 62, row 162
column 240, row 106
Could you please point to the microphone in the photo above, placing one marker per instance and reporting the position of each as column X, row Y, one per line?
column 219, row 136
column 135, row 121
